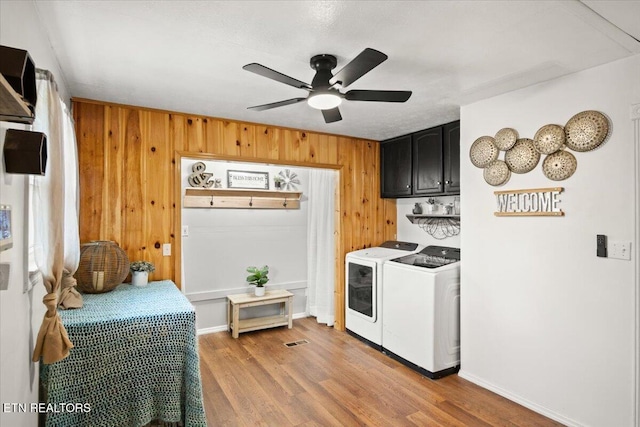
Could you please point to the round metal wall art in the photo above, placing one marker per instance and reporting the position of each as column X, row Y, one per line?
column 559, row 165
column 506, row 138
column 586, row 130
column 497, row 173
column 549, row 139
column 483, row 151
column 522, row 157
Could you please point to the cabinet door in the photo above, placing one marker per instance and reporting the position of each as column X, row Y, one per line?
column 395, row 167
column 427, row 162
column 452, row 157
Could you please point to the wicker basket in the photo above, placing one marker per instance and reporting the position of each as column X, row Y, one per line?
column 103, row 266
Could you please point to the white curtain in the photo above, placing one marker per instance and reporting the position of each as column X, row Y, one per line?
column 56, row 236
column 321, row 246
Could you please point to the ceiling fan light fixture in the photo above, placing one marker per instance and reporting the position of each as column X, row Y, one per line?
column 324, row 100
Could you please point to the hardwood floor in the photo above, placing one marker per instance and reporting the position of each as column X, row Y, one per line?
column 335, row 380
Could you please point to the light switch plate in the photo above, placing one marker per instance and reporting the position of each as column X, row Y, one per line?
column 5, row 270
column 185, row 230
column 620, row 250
column 166, row 249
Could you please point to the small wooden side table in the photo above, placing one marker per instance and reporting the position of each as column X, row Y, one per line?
column 238, row 301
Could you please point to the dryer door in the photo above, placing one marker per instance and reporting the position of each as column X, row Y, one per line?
column 362, row 284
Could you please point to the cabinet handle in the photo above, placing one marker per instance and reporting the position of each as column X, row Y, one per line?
column 447, row 182
column 408, row 185
column 438, row 183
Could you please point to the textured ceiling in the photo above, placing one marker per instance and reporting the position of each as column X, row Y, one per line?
column 188, row 55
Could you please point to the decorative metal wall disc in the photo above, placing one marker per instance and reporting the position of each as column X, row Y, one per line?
column 483, row 151
column 506, row 138
column 497, row 173
column 559, row 165
column 523, row 157
column 586, row 130
column 549, row 139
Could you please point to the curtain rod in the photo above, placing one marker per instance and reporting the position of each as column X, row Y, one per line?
column 43, row 74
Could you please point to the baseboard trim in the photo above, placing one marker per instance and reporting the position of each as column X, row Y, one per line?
column 519, row 400
column 223, row 328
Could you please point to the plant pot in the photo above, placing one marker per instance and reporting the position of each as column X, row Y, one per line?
column 259, row 291
column 139, row 278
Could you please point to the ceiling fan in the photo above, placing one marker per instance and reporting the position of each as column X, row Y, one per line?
column 324, row 90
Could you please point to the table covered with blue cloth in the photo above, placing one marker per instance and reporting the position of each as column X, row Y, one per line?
column 135, row 359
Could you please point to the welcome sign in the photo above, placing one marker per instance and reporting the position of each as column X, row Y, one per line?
column 529, row 202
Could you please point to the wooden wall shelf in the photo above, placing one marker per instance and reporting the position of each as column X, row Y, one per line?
column 416, row 218
column 438, row 226
column 12, row 107
column 241, row 199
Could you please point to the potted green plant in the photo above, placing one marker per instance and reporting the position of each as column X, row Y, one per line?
column 140, row 272
column 259, row 278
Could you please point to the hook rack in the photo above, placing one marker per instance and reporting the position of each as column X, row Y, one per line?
column 241, row 199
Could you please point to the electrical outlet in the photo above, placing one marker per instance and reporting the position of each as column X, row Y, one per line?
column 185, row 230
column 620, row 250
column 166, row 249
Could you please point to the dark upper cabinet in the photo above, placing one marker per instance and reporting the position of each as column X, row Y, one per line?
column 425, row 163
column 451, row 160
column 395, row 167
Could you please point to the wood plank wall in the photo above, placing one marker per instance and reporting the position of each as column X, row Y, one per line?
column 129, row 178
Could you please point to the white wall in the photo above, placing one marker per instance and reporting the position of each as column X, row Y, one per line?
column 20, row 314
column 222, row 243
column 543, row 320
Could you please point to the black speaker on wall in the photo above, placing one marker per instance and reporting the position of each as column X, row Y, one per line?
column 25, row 152
column 19, row 71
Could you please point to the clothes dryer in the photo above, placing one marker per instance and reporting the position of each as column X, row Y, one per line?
column 363, row 288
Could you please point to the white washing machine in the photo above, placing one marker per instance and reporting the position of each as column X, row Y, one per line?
column 421, row 310
column 363, row 288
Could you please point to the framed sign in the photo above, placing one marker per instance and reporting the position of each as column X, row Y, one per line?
column 245, row 179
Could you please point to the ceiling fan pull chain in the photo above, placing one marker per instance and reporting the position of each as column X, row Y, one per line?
column 211, row 202
column 285, row 202
column 251, row 201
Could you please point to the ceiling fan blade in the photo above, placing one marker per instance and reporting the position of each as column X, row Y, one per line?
column 276, row 104
column 274, row 75
column 332, row 115
column 378, row 95
column 359, row 66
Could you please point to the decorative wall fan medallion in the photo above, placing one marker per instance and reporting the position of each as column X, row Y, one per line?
column 559, row 165
column 522, row 157
column 506, row 138
column 549, row 139
column 586, row 130
column 290, row 180
column 497, row 173
column 483, row 151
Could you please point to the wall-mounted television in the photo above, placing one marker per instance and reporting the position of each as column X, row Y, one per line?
column 6, row 235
